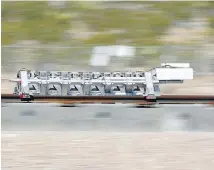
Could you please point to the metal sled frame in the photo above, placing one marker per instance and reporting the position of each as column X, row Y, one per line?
column 31, row 83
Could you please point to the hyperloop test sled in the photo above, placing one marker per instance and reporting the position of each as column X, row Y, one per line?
column 30, row 83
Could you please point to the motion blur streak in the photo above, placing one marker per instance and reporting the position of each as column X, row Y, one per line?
column 68, row 36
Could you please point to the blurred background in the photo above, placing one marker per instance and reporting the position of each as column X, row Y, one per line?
column 63, row 35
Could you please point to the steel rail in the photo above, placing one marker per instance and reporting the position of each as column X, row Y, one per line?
column 140, row 100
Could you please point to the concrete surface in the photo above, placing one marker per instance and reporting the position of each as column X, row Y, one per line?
column 110, row 117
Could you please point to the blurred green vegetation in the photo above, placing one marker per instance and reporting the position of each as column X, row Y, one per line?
column 39, row 21
column 32, row 21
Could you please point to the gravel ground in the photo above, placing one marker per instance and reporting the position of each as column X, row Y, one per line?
column 107, row 150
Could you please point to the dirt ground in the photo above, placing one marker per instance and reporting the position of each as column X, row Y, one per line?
column 107, row 150
column 201, row 85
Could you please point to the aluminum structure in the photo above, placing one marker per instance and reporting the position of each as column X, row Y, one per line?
column 64, row 83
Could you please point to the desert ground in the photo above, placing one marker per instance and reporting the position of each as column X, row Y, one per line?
column 107, row 150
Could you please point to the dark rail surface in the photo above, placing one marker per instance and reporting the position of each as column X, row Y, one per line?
column 164, row 99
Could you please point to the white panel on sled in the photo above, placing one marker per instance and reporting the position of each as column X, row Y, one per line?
column 174, row 73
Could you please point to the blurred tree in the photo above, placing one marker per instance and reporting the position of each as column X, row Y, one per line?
column 32, row 21
column 177, row 10
column 211, row 19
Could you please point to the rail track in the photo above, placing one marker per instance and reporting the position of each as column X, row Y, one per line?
column 138, row 100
